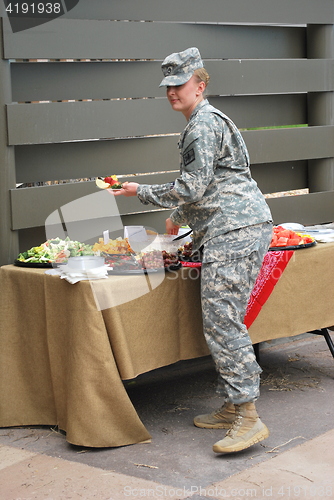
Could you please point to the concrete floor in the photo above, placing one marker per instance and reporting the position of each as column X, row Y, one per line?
column 296, row 461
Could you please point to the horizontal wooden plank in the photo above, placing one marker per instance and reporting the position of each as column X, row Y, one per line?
column 256, row 11
column 45, row 123
column 276, row 145
column 32, row 206
column 77, row 160
column 108, row 80
column 55, row 81
column 72, row 38
column 270, row 76
column 249, row 111
column 233, row 11
column 281, row 176
column 70, row 121
column 313, row 208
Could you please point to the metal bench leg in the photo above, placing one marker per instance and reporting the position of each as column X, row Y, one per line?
column 256, row 348
column 325, row 333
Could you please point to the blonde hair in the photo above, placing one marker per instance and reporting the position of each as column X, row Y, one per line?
column 202, row 75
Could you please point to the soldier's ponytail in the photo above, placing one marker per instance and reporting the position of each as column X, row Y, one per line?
column 202, row 75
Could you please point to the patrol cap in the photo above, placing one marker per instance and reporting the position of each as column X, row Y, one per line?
column 179, row 67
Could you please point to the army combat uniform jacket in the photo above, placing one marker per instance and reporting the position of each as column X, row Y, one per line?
column 215, row 192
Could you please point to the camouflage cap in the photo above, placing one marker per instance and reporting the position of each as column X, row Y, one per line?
column 179, row 67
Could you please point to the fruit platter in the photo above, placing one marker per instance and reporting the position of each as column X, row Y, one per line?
column 286, row 239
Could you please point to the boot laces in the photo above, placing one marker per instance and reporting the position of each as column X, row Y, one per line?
column 219, row 413
column 235, row 425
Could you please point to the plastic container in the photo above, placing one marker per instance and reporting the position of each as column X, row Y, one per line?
column 85, row 262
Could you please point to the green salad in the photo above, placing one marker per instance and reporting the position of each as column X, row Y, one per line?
column 55, row 250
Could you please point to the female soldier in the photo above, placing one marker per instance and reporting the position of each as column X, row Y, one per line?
column 216, row 196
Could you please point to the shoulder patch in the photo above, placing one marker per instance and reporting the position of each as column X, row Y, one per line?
column 188, row 157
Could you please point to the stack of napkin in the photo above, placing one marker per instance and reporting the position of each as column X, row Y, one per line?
column 75, row 275
column 321, row 233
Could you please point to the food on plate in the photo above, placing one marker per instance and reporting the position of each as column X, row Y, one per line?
column 101, row 184
column 121, row 262
column 117, row 246
column 150, row 260
column 109, row 182
column 186, row 253
column 55, row 250
column 287, row 238
column 157, row 259
column 170, row 258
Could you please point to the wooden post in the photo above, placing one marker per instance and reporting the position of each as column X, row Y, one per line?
column 320, row 45
column 9, row 240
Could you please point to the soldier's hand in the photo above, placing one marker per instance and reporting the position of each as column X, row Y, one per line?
column 128, row 189
column 171, row 228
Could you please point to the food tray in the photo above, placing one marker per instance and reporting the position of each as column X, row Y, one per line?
column 293, row 247
column 130, row 272
column 120, row 272
column 43, row 265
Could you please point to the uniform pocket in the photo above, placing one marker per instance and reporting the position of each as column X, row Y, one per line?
column 239, row 343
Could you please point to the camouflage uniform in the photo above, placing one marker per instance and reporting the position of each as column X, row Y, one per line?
column 230, row 265
column 216, row 196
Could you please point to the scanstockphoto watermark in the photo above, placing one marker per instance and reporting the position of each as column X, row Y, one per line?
column 26, row 15
column 167, row 492
column 316, row 491
column 86, row 219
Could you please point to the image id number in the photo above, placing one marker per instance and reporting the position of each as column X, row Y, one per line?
column 315, row 492
column 32, row 9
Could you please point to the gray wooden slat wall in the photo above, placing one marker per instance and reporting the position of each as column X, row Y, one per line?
column 80, row 98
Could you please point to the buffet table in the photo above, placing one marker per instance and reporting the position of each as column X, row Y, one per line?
column 63, row 357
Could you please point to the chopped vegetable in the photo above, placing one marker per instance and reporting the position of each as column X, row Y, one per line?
column 55, row 250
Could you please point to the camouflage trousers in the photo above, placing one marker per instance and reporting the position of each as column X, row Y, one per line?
column 230, row 265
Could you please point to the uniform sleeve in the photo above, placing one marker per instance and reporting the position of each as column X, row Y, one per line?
column 178, row 218
column 197, row 157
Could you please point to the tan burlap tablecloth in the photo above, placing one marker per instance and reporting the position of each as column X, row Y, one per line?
column 303, row 298
column 65, row 349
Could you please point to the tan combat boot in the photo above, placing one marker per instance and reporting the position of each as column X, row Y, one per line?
column 247, row 429
column 219, row 419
